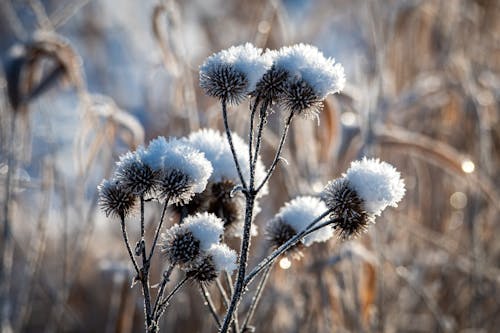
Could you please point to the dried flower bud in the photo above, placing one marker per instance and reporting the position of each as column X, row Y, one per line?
column 180, row 246
column 135, row 175
column 216, row 259
column 115, row 200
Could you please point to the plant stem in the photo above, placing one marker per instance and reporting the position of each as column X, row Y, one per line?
column 250, row 132
column 262, row 122
column 158, row 229
column 243, row 258
column 127, row 244
column 278, row 151
column 231, row 145
column 287, row 245
column 164, row 303
column 256, row 298
column 209, row 303
column 145, row 273
column 163, row 284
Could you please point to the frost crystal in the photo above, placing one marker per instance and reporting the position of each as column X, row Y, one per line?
column 377, row 183
column 205, row 227
column 233, row 74
column 224, row 258
column 299, row 213
column 307, row 63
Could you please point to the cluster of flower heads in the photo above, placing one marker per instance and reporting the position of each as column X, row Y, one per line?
column 299, row 77
column 166, row 170
column 219, row 196
column 195, row 247
column 351, row 201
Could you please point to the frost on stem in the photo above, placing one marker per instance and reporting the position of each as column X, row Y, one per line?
column 231, row 75
column 294, row 217
column 364, row 191
column 216, row 259
column 115, row 199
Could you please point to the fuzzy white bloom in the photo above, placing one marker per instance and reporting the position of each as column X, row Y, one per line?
column 224, row 258
column 377, row 183
column 300, row 212
column 205, row 227
column 154, row 154
column 246, row 60
column 306, row 62
column 216, row 149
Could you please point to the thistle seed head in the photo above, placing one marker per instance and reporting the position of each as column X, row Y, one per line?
column 115, row 199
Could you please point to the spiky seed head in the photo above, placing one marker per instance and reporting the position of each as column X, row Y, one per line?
column 347, row 207
column 116, row 200
column 300, row 98
column 278, row 232
column 204, row 271
column 180, row 246
column 219, row 257
column 175, row 185
column 272, row 85
column 227, row 206
column 225, row 83
column 135, row 175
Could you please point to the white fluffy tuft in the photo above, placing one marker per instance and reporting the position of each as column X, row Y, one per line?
column 224, row 258
column 300, row 212
column 306, row 62
column 378, row 183
column 205, row 227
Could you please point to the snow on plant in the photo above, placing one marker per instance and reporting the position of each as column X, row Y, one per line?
column 213, row 182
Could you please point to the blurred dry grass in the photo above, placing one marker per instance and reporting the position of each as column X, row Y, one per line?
column 423, row 93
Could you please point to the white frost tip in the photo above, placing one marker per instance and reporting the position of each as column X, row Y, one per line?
column 378, row 183
column 300, row 212
column 224, row 258
column 205, row 227
column 306, row 62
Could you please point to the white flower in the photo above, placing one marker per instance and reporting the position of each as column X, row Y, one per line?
column 233, row 73
column 307, row 63
column 205, row 227
column 377, row 183
column 299, row 213
column 223, row 257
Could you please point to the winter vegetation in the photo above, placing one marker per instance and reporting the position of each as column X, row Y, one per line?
column 264, row 166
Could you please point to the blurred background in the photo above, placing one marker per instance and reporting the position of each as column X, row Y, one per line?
column 84, row 81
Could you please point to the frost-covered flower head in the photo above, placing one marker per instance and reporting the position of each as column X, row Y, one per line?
column 184, row 169
column 184, row 243
column 115, row 199
column 216, row 149
column 218, row 197
column 216, row 259
column 294, row 217
column 364, row 191
column 311, row 77
column 135, row 175
column 232, row 74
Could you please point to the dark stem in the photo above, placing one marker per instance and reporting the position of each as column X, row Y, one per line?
column 243, row 258
column 209, row 303
column 256, row 298
column 163, row 284
column 158, row 229
column 278, row 152
column 163, row 304
column 230, row 142
column 287, row 245
column 127, row 244
column 262, row 122
column 250, row 132
column 225, row 299
column 145, row 273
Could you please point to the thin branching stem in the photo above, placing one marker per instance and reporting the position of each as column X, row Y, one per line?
column 231, row 145
column 287, row 245
column 256, row 298
column 250, row 132
column 209, row 303
column 158, row 229
column 163, row 284
column 162, row 305
column 262, row 122
column 127, row 244
column 278, row 151
column 222, row 292
column 144, row 277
